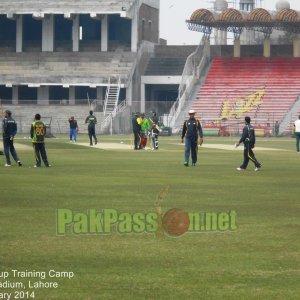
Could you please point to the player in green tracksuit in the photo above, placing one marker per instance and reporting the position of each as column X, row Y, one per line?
column 145, row 127
column 91, row 120
column 37, row 133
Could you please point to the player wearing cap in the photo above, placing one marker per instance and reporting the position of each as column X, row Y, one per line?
column 154, row 130
column 9, row 130
column 191, row 131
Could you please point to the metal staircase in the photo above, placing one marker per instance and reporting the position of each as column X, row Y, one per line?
column 289, row 117
column 110, row 108
column 111, row 97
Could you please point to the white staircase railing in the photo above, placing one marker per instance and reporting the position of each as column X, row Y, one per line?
column 290, row 116
column 111, row 103
column 195, row 63
column 109, row 118
column 111, row 97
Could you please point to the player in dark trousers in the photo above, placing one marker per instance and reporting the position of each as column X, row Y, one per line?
column 91, row 120
column 191, row 131
column 9, row 129
column 136, row 128
column 154, row 130
column 248, row 138
column 73, row 129
column 37, row 133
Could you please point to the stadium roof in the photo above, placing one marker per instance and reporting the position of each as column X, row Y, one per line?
column 64, row 6
column 234, row 20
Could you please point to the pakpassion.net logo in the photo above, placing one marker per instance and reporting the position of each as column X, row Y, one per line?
column 175, row 222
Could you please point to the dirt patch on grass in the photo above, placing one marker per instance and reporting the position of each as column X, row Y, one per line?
column 108, row 146
column 19, row 146
column 232, row 147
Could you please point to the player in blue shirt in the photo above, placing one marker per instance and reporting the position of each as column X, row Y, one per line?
column 9, row 129
column 191, row 131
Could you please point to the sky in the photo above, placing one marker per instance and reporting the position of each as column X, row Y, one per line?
column 174, row 13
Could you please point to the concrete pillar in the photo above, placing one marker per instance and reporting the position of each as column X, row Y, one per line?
column 72, row 95
column 134, row 33
column 143, row 100
column 15, row 94
column 207, row 47
column 129, row 94
column 296, row 47
column 43, row 95
column 267, row 47
column 19, row 33
column 75, row 33
column 104, row 33
column 221, row 37
column 48, row 33
column 100, row 95
column 237, row 48
column 100, row 92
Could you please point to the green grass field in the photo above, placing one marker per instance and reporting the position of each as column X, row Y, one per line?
column 260, row 260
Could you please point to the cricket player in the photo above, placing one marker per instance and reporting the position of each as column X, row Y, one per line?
column 91, row 120
column 9, row 130
column 191, row 131
column 145, row 127
column 154, row 130
column 248, row 138
column 297, row 133
column 37, row 133
column 136, row 128
column 73, row 129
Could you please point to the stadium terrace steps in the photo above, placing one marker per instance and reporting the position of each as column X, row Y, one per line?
column 262, row 88
column 64, row 68
column 60, row 114
column 165, row 66
column 168, row 60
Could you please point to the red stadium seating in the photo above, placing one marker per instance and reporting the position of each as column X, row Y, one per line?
column 236, row 80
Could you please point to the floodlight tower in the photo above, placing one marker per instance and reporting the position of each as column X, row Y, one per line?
column 282, row 4
column 220, row 35
column 247, row 5
column 249, row 36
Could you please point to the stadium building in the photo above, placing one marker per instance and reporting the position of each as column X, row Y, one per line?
column 58, row 56
column 62, row 58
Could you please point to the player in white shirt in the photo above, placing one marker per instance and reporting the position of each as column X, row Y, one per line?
column 297, row 132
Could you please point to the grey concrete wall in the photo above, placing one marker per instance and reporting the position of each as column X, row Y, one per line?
column 136, row 80
column 174, row 51
column 148, row 16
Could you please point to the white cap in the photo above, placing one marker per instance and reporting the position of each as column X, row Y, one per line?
column 192, row 112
